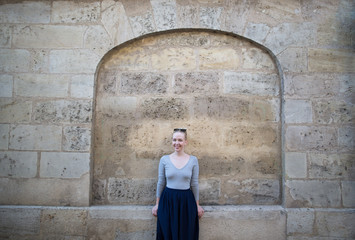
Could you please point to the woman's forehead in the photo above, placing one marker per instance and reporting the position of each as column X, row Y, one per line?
column 179, row 135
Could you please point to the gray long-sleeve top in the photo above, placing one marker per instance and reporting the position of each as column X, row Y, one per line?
column 174, row 178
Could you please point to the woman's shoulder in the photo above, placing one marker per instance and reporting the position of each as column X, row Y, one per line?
column 194, row 158
column 164, row 158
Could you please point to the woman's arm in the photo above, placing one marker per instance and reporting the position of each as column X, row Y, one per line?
column 155, row 208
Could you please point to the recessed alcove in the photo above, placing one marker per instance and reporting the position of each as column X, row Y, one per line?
column 223, row 88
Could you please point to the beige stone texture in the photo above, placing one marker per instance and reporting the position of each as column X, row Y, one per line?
column 18, row 164
column 15, row 111
column 14, row 60
column 5, row 36
column 322, row 60
column 295, row 165
column 298, row 111
column 332, row 111
column 25, row 12
column 81, row 86
column 223, row 58
column 4, row 136
column 67, row 12
column 6, row 85
column 335, row 224
column 97, row 40
column 257, row 59
column 300, row 221
column 172, row 59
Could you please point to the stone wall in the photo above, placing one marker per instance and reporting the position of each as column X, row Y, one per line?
column 50, row 53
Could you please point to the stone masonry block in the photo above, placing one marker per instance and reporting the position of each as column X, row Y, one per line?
column 256, row 31
column 18, row 164
column 48, row 36
column 36, row 12
column 170, row 59
column 255, row 58
column 312, row 193
column 251, row 83
column 36, row 137
column 332, row 111
column 164, row 108
column 63, row 111
column 4, row 136
column 209, row 191
column 219, row 166
column 76, row 138
column 300, row 221
column 196, row 83
column 98, row 40
column 14, row 60
column 123, row 108
column 219, row 58
column 298, row 111
column 330, row 166
column 43, row 85
column 67, row 12
column 348, row 193
column 186, row 16
column 142, row 24
column 64, row 165
column 143, row 83
column 107, row 82
column 335, row 224
column 322, row 60
column 296, row 164
column 82, row 86
column 6, row 85
column 293, row 60
column 210, row 17
column 164, row 14
column 15, row 111
column 5, row 36
column 310, row 138
column 346, row 137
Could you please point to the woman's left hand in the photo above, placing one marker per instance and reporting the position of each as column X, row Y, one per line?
column 200, row 211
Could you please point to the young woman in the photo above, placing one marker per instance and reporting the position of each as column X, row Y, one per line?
column 177, row 205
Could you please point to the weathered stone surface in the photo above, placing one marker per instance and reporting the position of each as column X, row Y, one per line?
column 310, row 138
column 335, row 223
column 15, row 111
column 164, row 14
column 64, row 165
column 18, row 164
column 35, row 137
column 142, row 24
column 346, row 137
column 143, row 83
column 14, row 60
column 6, row 85
column 19, row 220
column 125, row 191
column 76, row 138
column 298, row 111
column 293, row 60
column 99, row 190
column 348, row 193
column 82, row 86
column 196, row 83
column 332, row 111
column 41, row 85
column 313, row 193
column 48, row 36
column 170, row 59
column 73, row 61
column 296, row 165
column 107, row 82
column 251, row 83
column 300, row 221
column 98, row 40
column 63, row 111
column 67, row 12
column 210, row 17
column 25, row 12
column 39, row 60
column 209, row 191
column 236, row 16
column 186, row 15
column 329, row 166
column 164, row 108
column 256, row 58
column 219, row 58
column 145, row 234
column 322, row 60
column 120, row 107
column 4, row 136
column 5, row 36
column 256, row 31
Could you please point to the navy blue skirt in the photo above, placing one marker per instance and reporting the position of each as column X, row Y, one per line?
column 177, row 215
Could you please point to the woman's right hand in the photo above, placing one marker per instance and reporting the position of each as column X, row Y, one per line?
column 155, row 210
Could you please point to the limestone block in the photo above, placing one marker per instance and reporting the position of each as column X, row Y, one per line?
column 76, row 138
column 196, row 83
column 210, row 17
column 98, row 40
column 99, row 190
column 148, row 234
column 312, row 193
column 82, row 86
column 73, row 61
column 326, row 60
column 17, row 111
column 142, row 24
column 5, row 36
column 39, row 60
column 256, row 31
column 335, row 223
column 236, row 16
column 218, row 166
column 164, row 108
column 64, row 165
column 67, row 12
column 298, row 111
column 107, row 82
column 186, row 15
column 209, row 191
column 133, row 191
column 18, row 164
column 310, row 138
column 251, row 83
column 348, row 193
column 6, row 85
column 300, row 221
column 68, row 221
column 329, row 166
column 170, row 59
column 25, row 12
column 48, row 36
column 118, row 107
column 164, row 14
column 36, row 137
column 293, row 60
column 251, row 191
column 256, row 58
column 346, row 137
column 19, row 220
column 63, row 111
column 41, row 85
column 296, row 164
column 49, row 192
column 4, row 136
column 332, row 111
column 219, row 58
column 14, row 60
column 287, row 35
column 143, row 83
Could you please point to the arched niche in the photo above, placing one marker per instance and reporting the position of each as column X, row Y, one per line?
column 223, row 88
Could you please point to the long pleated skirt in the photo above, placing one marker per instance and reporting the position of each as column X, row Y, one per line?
column 177, row 215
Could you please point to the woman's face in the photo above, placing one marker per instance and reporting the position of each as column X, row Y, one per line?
column 179, row 141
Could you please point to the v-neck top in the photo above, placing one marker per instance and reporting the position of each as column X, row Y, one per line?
column 178, row 178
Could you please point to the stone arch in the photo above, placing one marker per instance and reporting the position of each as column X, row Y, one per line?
column 224, row 88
